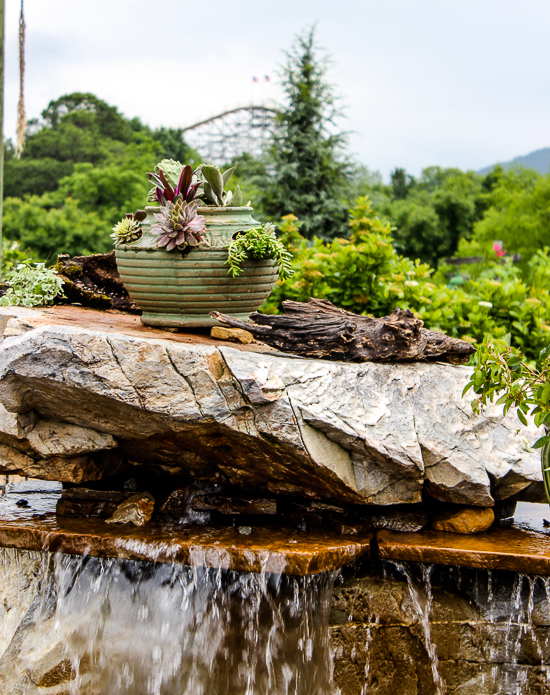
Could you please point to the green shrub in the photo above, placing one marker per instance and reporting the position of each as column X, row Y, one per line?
column 365, row 274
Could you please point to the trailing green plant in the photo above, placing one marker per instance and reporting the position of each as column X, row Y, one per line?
column 501, row 371
column 129, row 228
column 31, row 284
column 258, row 242
column 213, row 185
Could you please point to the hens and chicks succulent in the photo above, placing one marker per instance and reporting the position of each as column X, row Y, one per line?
column 180, row 191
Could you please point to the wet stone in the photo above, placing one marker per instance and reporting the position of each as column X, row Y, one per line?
column 469, row 521
column 82, row 493
column 83, row 502
column 346, row 527
column 79, row 508
column 398, row 520
column 399, row 629
column 235, row 505
column 61, row 673
column 176, row 503
column 137, row 509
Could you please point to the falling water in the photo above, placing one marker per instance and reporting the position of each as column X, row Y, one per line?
column 511, row 611
column 138, row 628
column 421, row 597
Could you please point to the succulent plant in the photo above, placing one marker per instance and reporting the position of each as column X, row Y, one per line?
column 213, row 183
column 128, row 229
column 171, row 170
column 185, row 189
column 179, row 225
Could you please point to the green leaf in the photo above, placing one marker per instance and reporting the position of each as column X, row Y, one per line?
column 214, row 178
column 522, row 417
column 227, row 175
column 541, row 442
column 237, row 197
column 468, row 386
column 209, row 194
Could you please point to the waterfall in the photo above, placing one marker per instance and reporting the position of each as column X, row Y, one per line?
column 140, row 628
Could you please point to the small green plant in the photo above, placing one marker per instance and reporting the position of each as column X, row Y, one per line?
column 212, row 191
column 502, row 371
column 128, row 229
column 258, row 242
column 31, row 284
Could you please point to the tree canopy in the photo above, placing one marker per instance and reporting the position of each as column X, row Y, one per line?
column 84, row 165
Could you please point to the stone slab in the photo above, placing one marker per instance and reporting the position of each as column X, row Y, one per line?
column 268, row 549
column 110, row 321
column 372, row 433
column 514, row 549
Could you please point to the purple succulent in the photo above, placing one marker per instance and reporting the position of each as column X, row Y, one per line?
column 185, row 189
column 179, row 225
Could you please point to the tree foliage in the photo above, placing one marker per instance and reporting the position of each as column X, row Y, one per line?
column 433, row 213
column 83, row 166
column 518, row 213
column 310, row 173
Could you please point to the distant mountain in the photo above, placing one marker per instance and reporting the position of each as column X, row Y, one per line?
column 539, row 160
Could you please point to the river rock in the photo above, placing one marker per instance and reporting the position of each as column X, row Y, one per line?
column 399, row 520
column 470, row 520
column 137, row 509
column 233, row 335
column 351, row 433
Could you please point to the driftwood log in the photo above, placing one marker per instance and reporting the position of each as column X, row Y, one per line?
column 94, row 281
column 320, row 329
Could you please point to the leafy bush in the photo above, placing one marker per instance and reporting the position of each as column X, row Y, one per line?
column 501, row 370
column 31, row 285
column 12, row 253
column 366, row 275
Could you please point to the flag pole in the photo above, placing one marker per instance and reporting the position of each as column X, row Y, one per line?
column 1, row 124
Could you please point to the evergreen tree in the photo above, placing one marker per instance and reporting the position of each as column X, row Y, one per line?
column 310, row 173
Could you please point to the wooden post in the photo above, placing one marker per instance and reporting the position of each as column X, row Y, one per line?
column 1, row 125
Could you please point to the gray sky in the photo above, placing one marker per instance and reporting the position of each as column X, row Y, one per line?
column 451, row 82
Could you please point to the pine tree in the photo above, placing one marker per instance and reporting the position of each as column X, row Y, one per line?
column 310, row 171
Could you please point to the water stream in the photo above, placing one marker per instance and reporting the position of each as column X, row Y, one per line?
column 511, row 627
column 131, row 627
column 137, row 628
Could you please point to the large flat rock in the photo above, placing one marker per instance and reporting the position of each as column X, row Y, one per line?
column 362, row 433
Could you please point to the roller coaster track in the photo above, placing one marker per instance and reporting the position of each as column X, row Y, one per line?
column 243, row 129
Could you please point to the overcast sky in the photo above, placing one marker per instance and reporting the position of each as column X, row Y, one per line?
column 451, row 82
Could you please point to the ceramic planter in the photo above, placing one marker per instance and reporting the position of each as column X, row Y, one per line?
column 180, row 289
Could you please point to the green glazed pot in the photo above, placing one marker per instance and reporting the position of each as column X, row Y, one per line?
column 180, row 289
